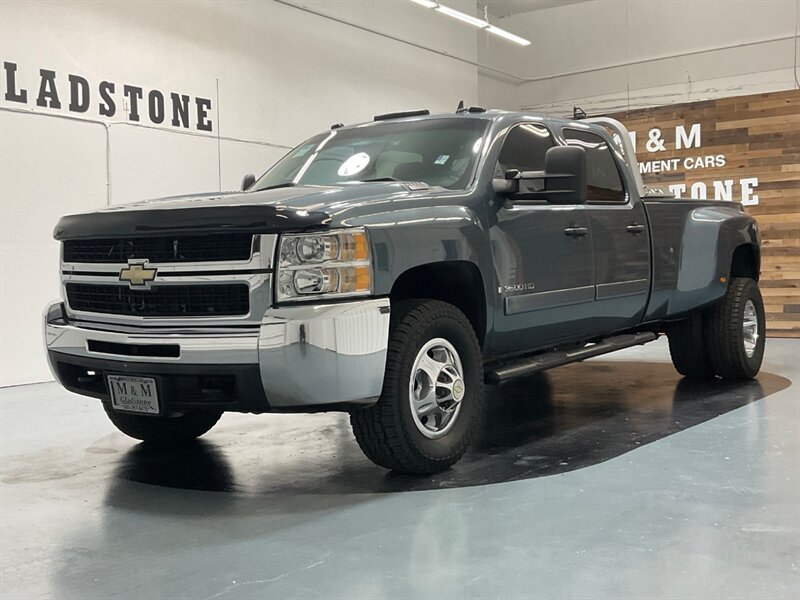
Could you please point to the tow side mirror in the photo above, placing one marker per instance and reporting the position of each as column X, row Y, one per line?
column 565, row 168
column 563, row 180
column 248, row 181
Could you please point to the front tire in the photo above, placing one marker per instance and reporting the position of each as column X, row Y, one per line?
column 432, row 395
column 735, row 330
column 164, row 431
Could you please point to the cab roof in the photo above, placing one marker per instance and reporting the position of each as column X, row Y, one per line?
column 493, row 114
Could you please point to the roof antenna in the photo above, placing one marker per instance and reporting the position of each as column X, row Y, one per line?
column 578, row 113
column 460, row 106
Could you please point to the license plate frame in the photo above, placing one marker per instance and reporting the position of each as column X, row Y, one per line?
column 135, row 394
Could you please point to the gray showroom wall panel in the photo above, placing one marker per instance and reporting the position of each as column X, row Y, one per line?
column 364, row 76
column 239, row 158
column 149, row 163
column 713, row 74
column 607, row 55
column 48, row 166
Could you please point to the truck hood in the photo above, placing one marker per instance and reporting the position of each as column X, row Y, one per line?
column 283, row 209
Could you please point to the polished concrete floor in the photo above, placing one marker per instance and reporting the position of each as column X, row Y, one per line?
column 609, row 479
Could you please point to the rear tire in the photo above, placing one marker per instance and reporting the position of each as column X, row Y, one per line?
column 735, row 329
column 688, row 347
column 164, row 431
column 423, row 424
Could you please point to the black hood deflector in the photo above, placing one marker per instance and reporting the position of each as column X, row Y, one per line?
column 253, row 218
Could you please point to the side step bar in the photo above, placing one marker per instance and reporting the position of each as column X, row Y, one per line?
column 548, row 360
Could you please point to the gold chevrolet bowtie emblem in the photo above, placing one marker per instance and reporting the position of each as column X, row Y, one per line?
column 136, row 274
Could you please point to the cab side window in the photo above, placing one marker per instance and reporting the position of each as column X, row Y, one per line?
column 602, row 175
column 524, row 149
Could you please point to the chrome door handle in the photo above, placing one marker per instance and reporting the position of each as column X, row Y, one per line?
column 575, row 231
column 635, row 228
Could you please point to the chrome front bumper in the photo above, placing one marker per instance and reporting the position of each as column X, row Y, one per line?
column 307, row 356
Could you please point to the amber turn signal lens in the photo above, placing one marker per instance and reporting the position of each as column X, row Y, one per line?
column 361, row 248
column 362, row 279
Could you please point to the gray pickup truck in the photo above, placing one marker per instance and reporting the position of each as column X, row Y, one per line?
column 392, row 269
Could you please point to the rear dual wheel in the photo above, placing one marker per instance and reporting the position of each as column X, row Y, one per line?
column 736, row 329
column 726, row 340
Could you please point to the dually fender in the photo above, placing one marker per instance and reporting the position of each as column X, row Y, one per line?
column 711, row 236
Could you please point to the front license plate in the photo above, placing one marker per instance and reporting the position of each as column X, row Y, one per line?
column 134, row 394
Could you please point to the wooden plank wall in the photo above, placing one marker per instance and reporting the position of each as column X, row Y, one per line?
column 759, row 137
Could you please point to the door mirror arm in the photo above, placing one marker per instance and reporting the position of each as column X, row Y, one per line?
column 509, row 184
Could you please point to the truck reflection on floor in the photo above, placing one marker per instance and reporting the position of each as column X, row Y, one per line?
column 553, row 422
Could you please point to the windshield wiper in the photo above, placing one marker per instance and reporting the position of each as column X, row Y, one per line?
column 276, row 186
column 379, row 179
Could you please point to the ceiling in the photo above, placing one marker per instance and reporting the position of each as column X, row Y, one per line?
column 504, row 8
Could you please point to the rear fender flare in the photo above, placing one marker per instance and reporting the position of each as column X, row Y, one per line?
column 710, row 237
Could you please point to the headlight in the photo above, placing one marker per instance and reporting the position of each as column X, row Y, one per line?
column 324, row 264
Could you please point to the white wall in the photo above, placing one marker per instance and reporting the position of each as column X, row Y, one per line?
column 608, row 55
column 283, row 74
column 496, row 90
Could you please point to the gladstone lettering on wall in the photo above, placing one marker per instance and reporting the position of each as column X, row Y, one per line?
column 75, row 94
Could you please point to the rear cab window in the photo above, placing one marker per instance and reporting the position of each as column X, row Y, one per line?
column 602, row 172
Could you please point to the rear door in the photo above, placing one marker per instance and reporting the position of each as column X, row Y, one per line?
column 542, row 257
column 620, row 236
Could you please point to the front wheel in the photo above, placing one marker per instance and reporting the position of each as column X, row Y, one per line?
column 164, row 431
column 432, row 391
column 735, row 331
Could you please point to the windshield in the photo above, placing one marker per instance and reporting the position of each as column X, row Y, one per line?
column 439, row 152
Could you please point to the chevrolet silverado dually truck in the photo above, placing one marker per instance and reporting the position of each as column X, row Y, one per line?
column 392, row 269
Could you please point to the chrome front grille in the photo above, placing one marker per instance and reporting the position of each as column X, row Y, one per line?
column 212, row 292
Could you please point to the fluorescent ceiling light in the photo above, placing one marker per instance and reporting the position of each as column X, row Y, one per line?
column 457, row 14
column 474, row 21
column 508, row 35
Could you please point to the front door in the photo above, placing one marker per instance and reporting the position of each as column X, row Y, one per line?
column 544, row 271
